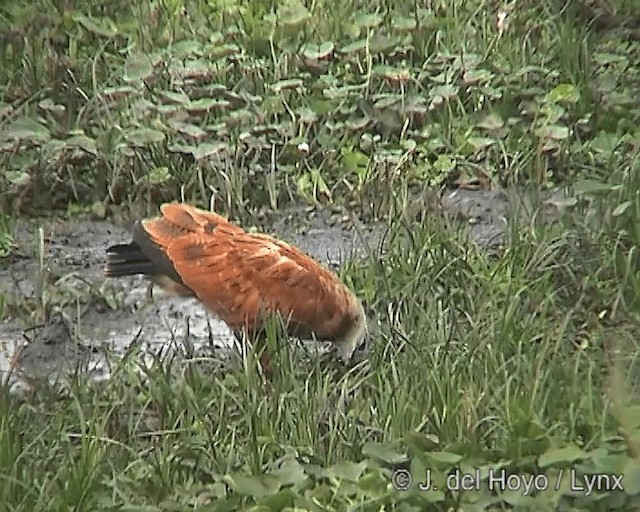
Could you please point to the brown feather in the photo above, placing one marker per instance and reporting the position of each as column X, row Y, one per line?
column 239, row 275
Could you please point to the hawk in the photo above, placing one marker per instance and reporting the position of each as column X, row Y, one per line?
column 240, row 276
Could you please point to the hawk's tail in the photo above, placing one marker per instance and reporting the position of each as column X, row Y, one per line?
column 127, row 260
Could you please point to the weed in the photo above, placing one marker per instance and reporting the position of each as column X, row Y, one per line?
column 519, row 363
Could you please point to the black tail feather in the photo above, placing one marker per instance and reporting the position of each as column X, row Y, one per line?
column 140, row 256
column 128, row 260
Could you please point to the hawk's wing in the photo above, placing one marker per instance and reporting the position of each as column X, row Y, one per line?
column 235, row 273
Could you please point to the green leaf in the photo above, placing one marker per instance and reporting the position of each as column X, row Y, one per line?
column 25, row 128
column 290, row 472
column 206, row 104
column 444, row 164
column 517, row 499
column 605, row 143
column 373, row 481
column 304, row 184
column 364, row 20
column 630, row 417
column 6, row 244
column 444, row 458
column 179, row 98
column 278, row 501
column 564, row 93
column 355, row 47
column 384, row 452
column 190, row 130
column 403, row 24
column 590, row 187
column 480, row 143
column 293, row 15
column 186, row 48
column 254, row 486
column 610, row 463
column 314, row 51
column 185, row 149
column 142, row 137
column 138, row 67
column 118, row 93
column 306, row 115
column 291, row 83
column 631, row 479
column 392, row 74
column 387, row 102
column 565, row 456
column 553, row 131
column 381, row 43
column 354, row 160
column 83, row 142
column 346, row 470
column 491, row 122
column 621, row 208
column 420, row 443
column 158, row 175
column 476, row 76
column 208, row 149
column 444, row 91
column 16, row 177
column 103, row 27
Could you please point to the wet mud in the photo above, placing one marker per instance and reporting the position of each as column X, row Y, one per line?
column 65, row 316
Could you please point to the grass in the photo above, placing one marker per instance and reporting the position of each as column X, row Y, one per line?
column 525, row 359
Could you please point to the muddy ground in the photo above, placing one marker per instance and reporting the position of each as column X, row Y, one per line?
column 89, row 320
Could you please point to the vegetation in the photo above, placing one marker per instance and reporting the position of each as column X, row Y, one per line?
column 525, row 359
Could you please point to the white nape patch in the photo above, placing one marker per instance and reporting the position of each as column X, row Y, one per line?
column 354, row 337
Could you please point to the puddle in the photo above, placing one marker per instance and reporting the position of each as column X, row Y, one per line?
column 82, row 327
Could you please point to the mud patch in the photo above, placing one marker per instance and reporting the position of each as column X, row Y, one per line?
column 89, row 316
column 487, row 212
column 50, row 349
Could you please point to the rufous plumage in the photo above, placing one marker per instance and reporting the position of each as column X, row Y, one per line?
column 239, row 276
